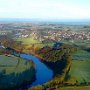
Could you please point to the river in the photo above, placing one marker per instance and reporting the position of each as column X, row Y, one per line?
column 43, row 73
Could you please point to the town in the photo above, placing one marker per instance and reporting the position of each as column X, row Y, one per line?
column 46, row 32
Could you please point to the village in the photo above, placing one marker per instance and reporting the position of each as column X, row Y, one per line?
column 46, row 32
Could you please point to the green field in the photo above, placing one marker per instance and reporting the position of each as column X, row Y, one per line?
column 31, row 41
column 79, row 72
column 81, row 55
column 14, row 72
column 13, row 64
column 75, row 88
column 28, row 40
column 83, row 43
column 9, row 61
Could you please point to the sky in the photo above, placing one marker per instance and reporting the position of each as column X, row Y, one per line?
column 45, row 9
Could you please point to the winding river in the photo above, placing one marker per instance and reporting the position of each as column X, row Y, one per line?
column 43, row 73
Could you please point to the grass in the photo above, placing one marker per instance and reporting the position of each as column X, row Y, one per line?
column 13, row 64
column 80, row 72
column 28, row 40
column 81, row 55
column 15, row 72
column 10, row 61
column 75, row 88
column 31, row 41
column 84, row 43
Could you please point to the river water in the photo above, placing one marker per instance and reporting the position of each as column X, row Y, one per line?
column 43, row 73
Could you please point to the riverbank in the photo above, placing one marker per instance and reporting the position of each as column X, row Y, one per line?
column 40, row 68
column 58, row 60
column 60, row 69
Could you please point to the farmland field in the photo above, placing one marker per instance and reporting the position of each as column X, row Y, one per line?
column 76, row 88
column 31, row 41
column 85, row 43
column 81, row 55
column 28, row 40
column 79, row 72
column 14, row 72
column 13, row 64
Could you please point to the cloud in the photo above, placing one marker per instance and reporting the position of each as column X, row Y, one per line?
column 44, row 9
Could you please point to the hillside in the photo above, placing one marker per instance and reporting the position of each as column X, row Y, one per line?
column 15, row 72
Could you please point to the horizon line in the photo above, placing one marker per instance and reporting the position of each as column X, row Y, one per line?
column 44, row 20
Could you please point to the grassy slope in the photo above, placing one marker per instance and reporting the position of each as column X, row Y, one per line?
column 13, row 74
column 10, row 64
